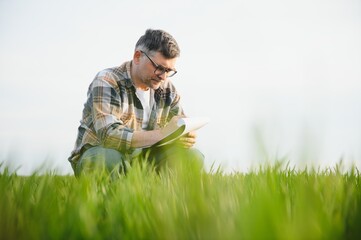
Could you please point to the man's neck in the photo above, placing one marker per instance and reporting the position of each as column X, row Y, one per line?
column 136, row 81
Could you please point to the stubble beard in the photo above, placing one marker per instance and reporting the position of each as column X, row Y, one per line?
column 153, row 83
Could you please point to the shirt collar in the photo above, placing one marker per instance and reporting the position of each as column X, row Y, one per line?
column 125, row 69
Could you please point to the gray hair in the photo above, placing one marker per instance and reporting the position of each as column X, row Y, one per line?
column 158, row 41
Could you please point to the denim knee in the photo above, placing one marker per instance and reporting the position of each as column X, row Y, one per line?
column 97, row 159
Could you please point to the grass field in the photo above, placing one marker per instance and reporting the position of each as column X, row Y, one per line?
column 271, row 202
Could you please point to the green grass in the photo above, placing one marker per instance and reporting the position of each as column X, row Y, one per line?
column 271, row 202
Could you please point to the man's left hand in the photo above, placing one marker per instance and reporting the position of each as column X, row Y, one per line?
column 188, row 140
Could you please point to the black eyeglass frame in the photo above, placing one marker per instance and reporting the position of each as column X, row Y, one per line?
column 160, row 68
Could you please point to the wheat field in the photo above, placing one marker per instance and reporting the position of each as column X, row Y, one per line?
column 269, row 202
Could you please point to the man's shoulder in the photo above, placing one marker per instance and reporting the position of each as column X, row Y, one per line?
column 119, row 72
column 114, row 76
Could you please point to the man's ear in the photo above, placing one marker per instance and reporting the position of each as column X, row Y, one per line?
column 136, row 57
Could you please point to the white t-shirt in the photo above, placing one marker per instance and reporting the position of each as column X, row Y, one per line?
column 146, row 98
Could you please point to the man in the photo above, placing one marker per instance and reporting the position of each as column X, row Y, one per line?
column 128, row 108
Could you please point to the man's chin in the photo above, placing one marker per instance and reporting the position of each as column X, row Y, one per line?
column 155, row 87
column 156, row 84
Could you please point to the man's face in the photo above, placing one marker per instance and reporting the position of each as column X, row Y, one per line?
column 155, row 69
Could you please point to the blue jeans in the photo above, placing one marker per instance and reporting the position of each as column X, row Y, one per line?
column 100, row 159
column 113, row 162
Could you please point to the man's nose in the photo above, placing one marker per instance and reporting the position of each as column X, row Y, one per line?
column 163, row 75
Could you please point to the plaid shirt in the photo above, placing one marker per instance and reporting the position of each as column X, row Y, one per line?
column 113, row 111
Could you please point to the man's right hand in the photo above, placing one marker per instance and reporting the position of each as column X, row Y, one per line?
column 147, row 138
column 172, row 124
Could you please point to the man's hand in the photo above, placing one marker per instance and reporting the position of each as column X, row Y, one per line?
column 172, row 124
column 188, row 140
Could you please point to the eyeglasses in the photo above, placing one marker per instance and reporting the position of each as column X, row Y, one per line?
column 159, row 69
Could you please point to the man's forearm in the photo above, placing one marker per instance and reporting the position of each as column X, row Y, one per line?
column 145, row 138
column 148, row 138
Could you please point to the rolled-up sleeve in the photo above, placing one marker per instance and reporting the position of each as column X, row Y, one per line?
column 106, row 111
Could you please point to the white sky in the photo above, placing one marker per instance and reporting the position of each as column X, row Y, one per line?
column 277, row 78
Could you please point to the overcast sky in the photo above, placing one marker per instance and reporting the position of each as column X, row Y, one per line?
column 278, row 79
